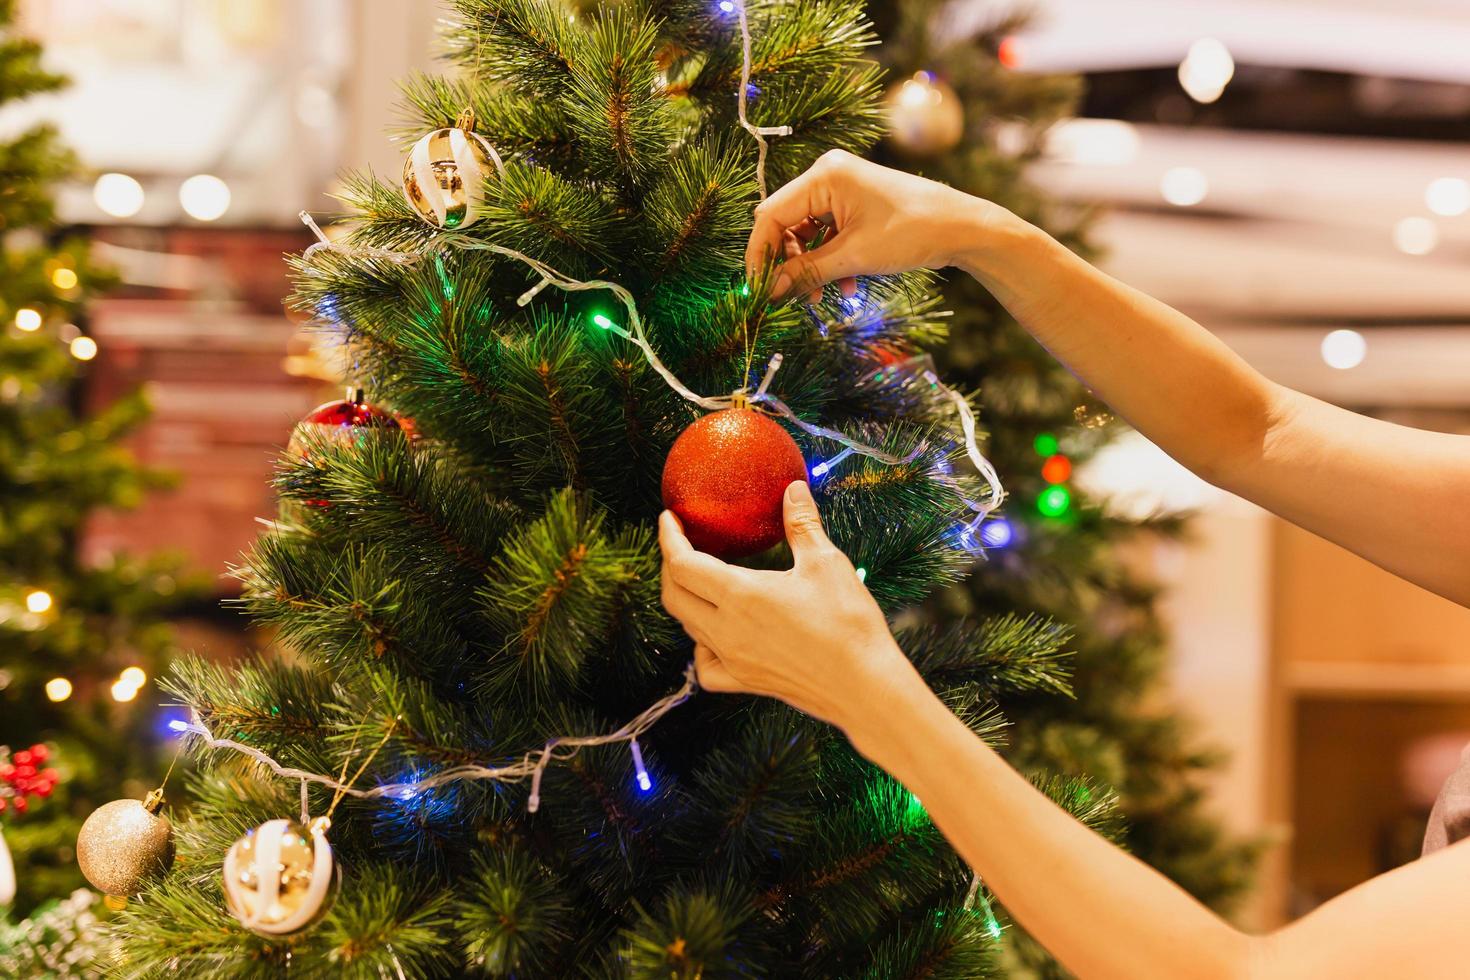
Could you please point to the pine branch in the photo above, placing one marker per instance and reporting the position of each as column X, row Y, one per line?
column 554, row 592
column 612, row 102
column 694, row 936
column 514, row 915
column 753, row 797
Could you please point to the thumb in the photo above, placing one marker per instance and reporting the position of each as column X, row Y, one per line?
column 803, row 521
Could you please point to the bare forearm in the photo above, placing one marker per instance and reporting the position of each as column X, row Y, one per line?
column 1101, row 912
column 1168, row 377
column 1317, row 465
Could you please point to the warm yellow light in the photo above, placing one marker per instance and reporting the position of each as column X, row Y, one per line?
column 64, row 278
column 58, row 689
column 204, row 196
column 38, row 601
column 1416, row 236
column 84, row 348
column 123, row 691
column 133, row 676
column 1206, row 70
column 118, row 195
column 28, row 319
column 1184, row 187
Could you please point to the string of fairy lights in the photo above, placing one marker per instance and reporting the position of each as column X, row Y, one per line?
column 533, row 764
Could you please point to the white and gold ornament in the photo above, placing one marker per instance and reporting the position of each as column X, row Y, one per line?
column 124, row 843
column 444, row 175
column 925, row 116
column 279, row 876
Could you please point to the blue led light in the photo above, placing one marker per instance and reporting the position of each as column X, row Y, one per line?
column 727, row 6
column 644, row 783
column 828, row 465
column 172, row 721
column 997, row 533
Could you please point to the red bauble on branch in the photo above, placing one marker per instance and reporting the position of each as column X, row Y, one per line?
column 725, row 477
column 340, row 421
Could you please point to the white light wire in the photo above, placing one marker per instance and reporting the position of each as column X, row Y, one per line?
column 758, row 132
column 532, row 764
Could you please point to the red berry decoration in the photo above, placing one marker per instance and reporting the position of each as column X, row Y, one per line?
column 725, row 477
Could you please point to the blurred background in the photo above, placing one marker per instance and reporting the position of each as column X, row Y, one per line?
column 1293, row 174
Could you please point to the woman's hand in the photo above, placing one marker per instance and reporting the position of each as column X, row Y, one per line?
column 872, row 221
column 811, row 636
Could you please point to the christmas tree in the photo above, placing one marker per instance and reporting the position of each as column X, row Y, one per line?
column 478, row 688
column 78, row 641
column 963, row 115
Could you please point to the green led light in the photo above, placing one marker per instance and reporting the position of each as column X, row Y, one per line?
column 1054, row 501
column 862, row 574
column 602, row 321
column 1046, row 444
column 745, row 289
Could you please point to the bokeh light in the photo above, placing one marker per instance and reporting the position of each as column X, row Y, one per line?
column 1054, row 501
column 118, row 195
column 1344, row 349
column 1206, row 70
column 205, row 197
column 28, row 319
column 1415, row 236
column 1056, row 469
column 84, row 348
column 997, row 533
column 1448, row 197
column 1184, row 187
column 38, row 601
column 58, row 689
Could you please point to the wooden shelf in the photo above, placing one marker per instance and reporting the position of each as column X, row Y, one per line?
column 1425, row 682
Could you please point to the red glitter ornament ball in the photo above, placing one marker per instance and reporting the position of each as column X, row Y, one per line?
column 725, row 477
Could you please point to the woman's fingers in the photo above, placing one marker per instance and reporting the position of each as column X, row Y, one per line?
column 688, row 608
column 712, row 674
column 704, row 575
column 788, row 207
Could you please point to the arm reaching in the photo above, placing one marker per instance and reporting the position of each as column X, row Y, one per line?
column 1101, row 912
column 1368, row 485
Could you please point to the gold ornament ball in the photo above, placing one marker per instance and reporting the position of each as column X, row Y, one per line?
column 124, row 843
column 279, row 876
column 444, row 174
column 925, row 116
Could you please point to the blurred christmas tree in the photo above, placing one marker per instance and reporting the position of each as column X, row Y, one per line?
column 961, row 114
column 460, row 592
column 68, row 631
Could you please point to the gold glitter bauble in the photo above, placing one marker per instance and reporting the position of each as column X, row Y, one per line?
column 444, row 174
column 124, row 843
column 279, row 876
column 924, row 115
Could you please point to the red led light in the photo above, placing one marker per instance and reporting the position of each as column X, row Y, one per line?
column 1009, row 53
column 1056, row 469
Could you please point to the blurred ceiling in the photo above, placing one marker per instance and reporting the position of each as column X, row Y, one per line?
column 1321, row 182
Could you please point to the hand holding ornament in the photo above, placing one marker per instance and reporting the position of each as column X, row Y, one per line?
column 812, row 635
